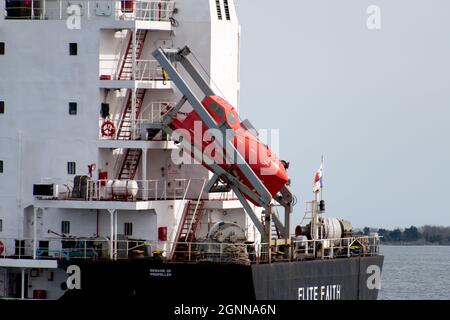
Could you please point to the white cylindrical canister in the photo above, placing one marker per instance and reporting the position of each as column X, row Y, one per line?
column 122, row 188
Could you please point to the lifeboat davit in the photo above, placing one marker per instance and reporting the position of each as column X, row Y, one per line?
column 260, row 158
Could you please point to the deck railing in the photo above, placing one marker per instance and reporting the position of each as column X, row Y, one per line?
column 154, row 112
column 132, row 190
column 146, row 70
column 139, row 10
column 70, row 248
column 145, row 10
column 151, row 113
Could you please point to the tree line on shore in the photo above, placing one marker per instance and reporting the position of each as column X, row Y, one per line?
column 413, row 235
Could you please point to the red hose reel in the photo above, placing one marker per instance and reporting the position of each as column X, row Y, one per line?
column 108, row 129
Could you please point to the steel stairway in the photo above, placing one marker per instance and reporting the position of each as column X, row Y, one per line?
column 275, row 232
column 126, row 125
column 125, row 132
column 126, row 65
column 130, row 164
column 186, row 232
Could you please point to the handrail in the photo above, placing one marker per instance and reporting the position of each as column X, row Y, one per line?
column 97, row 248
column 128, row 96
column 155, row 110
column 155, row 189
column 146, row 69
column 145, row 10
column 196, row 207
column 180, row 226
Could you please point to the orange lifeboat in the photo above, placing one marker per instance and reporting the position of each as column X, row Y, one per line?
column 261, row 160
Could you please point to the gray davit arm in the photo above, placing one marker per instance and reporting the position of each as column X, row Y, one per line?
column 258, row 192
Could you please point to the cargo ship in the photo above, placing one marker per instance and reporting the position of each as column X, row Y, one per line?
column 126, row 171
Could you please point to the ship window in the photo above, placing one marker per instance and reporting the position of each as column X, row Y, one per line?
column 219, row 10
column 71, row 168
column 128, row 229
column 2, row 48
column 1, row 166
column 227, row 9
column 2, row 106
column 73, row 48
column 19, row 247
column 72, row 108
column 65, row 227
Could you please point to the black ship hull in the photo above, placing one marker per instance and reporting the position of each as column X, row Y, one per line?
column 337, row 279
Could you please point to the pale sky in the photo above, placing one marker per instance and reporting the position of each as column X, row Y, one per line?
column 376, row 104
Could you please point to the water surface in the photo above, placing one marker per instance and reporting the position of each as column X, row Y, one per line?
column 415, row 272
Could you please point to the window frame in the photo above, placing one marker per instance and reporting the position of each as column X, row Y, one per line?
column 73, row 108
column 71, row 165
column 128, row 228
column 73, row 48
column 65, row 226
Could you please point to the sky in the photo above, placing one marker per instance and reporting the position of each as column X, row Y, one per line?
column 375, row 103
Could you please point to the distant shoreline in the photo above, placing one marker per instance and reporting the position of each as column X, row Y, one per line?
column 412, row 236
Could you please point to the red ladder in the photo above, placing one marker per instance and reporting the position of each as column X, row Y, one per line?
column 130, row 164
column 125, row 132
column 125, row 126
column 132, row 156
column 126, row 64
column 186, row 232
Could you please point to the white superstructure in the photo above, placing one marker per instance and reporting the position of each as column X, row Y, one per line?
column 67, row 68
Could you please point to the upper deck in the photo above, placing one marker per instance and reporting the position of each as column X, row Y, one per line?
column 141, row 14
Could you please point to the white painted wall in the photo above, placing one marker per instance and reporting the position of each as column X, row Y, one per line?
column 225, row 53
column 38, row 136
column 39, row 79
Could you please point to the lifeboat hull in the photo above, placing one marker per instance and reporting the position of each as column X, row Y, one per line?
column 260, row 158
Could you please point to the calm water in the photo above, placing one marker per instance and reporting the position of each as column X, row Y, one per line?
column 415, row 272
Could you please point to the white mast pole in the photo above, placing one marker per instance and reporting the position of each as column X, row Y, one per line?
column 321, row 186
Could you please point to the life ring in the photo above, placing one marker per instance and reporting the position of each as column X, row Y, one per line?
column 108, row 129
column 2, row 248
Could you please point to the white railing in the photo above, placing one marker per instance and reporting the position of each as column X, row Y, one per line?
column 145, row 11
column 336, row 248
column 142, row 10
column 146, row 70
column 69, row 248
column 154, row 112
column 164, row 189
column 196, row 207
column 36, row 10
column 75, row 248
column 223, row 196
